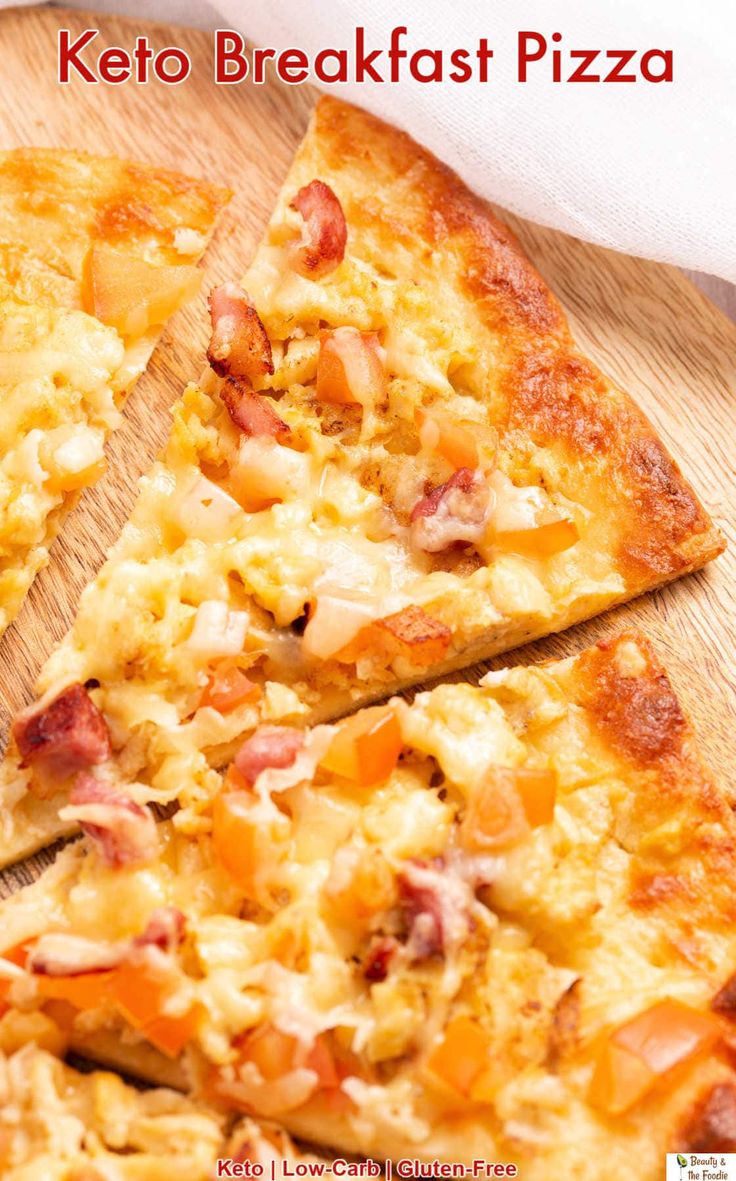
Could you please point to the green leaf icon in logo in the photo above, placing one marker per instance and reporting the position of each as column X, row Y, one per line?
column 681, row 1160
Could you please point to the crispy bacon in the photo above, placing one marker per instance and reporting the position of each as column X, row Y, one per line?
column 379, row 957
column 712, row 1126
column 455, row 512
column 123, row 831
column 66, row 734
column 252, row 413
column 325, row 231
column 436, row 909
column 164, row 929
column 268, row 746
column 61, row 954
column 239, row 345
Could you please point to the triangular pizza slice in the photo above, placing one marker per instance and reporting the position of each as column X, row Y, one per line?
column 396, row 464
column 95, row 254
column 495, row 924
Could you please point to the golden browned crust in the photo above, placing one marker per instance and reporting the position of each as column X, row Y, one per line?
column 549, row 393
column 677, row 822
column 44, row 191
column 640, row 715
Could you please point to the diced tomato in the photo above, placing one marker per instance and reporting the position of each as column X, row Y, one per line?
column 366, row 747
column 139, row 989
column 637, row 1055
column 241, row 845
column 538, row 791
column 350, row 368
column 229, row 687
column 362, row 886
column 452, row 440
column 88, row 990
column 462, row 1055
column 540, row 542
column 505, row 804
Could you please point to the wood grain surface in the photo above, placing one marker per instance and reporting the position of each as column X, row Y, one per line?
column 644, row 323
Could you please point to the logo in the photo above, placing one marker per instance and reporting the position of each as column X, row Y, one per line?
column 701, row 1166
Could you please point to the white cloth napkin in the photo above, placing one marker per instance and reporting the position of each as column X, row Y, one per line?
column 649, row 169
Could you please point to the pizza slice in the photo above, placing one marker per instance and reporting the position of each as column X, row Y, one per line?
column 58, row 1124
column 95, row 254
column 494, row 924
column 397, row 463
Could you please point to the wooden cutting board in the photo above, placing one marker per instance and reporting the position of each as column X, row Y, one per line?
column 650, row 329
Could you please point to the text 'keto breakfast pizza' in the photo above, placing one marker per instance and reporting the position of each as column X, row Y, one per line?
column 397, row 463
column 497, row 923
column 95, row 255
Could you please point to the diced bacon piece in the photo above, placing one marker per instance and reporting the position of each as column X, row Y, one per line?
column 268, row 746
column 239, row 345
column 164, row 929
column 414, row 634
column 123, row 831
column 350, row 369
column 436, row 907
column 455, row 512
column 325, row 232
column 252, row 413
column 61, row 954
column 66, row 734
column 378, row 960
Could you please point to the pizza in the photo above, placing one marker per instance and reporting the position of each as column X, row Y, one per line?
column 496, row 923
column 95, row 254
column 395, row 464
column 61, row 1125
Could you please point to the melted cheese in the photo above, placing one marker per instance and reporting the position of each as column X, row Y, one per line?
column 521, row 925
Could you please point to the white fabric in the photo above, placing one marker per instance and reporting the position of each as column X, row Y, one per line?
column 645, row 168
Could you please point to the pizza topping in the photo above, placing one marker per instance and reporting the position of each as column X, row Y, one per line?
column 381, row 954
column 123, row 831
column 525, row 522
column 462, row 1056
column 252, row 413
column 67, row 733
column 334, row 623
column 350, row 369
column 361, row 884
column 239, row 346
column 506, row 804
column 366, row 747
column 133, row 295
column 454, row 441
column 165, row 929
column 60, row 954
column 639, row 1053
column 228, row 687
column 455, row 512
column 414, row 635
column 436, row 907
column 325, row 232
column 217, row 630
column 268, row 746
